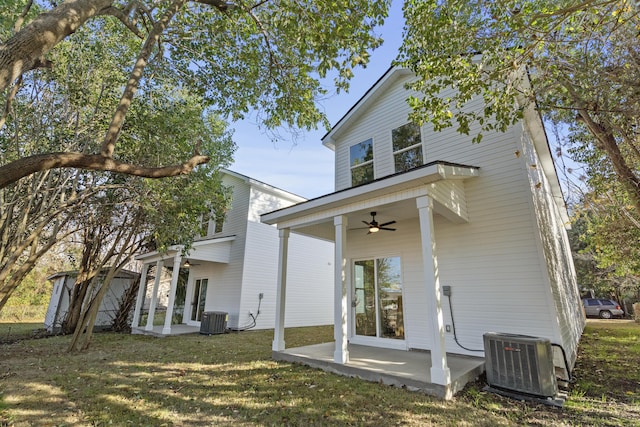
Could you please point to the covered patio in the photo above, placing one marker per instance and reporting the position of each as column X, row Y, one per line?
column 412, row 200
column 400, row 368
column 215, row 250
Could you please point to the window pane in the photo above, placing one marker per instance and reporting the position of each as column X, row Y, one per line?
column 219, row 223
column 204, row 226
column 408, row 159
column 362, row 174
column 390, row 298
column 361, row 153
column 405, row 136
column 365, row 303
column 203, row 297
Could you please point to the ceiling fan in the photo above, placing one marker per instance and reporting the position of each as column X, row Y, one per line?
column 374, row 227
column 188, row 264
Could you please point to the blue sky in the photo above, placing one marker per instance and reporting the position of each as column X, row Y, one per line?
column 305, row 166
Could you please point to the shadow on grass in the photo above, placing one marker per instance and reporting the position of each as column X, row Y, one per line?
column 231, row 380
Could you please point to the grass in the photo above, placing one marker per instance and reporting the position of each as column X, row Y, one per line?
column 193, row 380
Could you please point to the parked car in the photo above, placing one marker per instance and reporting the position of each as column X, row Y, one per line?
column 602, row 308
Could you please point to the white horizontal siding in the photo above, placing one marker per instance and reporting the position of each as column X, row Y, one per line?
column 389, row 111
column 451, row 195
column 491, row 263
column 555, row 248
column 309, row 289
column 224, row 287
column 261, row 201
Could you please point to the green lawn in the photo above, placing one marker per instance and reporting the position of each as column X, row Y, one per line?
column 195, row 380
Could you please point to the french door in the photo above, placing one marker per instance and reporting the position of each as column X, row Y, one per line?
column 377, row 306
column 198, row 299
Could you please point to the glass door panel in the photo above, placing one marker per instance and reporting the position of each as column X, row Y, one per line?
column 377, row 306
column 390, row 298
column 199, row 298
column 365, row 298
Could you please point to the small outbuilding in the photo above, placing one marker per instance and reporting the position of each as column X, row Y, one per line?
column 63, row 283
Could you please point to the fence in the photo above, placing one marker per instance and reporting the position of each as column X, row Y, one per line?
column 23, row 313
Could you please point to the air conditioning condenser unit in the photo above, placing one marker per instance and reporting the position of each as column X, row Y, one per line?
column 213, row 322
column 520, row 364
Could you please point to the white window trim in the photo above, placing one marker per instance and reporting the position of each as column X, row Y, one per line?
column 368, row 162
column 402, row 150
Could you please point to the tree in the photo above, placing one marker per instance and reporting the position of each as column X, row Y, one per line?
column 63, row 110
column 34, row 215
column 606, row 246
column 582, row 61
column 237, row 56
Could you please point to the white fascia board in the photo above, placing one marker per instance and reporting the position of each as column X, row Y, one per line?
column 535, row 126
column 154, row 256
column 213, row 240
column 421, row 176
column 541, row 143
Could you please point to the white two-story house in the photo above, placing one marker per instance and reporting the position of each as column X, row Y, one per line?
column 437, row 242
column 232, row 269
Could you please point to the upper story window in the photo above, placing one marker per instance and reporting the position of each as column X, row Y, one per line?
column 210, row 225
column 407, row 147
column 205, row 226
column 362, row 162
column 219, row 222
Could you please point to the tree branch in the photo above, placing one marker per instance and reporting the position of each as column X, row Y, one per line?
column 20, row 168
column 122, row 17
column 111, row 137
column 222, row 5
column 10, row 97
column 27, row 48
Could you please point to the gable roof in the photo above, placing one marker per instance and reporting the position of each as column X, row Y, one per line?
column 358, row 109
column 122, row 274
column 266, row 187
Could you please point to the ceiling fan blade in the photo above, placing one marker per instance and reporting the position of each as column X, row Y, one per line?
column 385, row 228
column 367, row 223
column 387, row 223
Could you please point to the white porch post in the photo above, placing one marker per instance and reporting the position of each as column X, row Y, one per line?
column 440, row 373
column 154, row 296
column 281, row 291
column 140, row 298
column 341, row 354
column 177, row 260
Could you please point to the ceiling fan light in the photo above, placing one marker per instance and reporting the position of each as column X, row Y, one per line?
column 187, row 264
column 374, row 229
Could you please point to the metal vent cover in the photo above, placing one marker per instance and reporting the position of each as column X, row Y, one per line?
column 520, row 363
column 213, row 322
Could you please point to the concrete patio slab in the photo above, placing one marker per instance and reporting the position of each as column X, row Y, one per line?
column 175, row 330
column 408, row 369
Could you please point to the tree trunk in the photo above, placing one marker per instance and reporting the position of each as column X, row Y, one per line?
column 76, row 302
column 607, row 142
column 121, row 321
